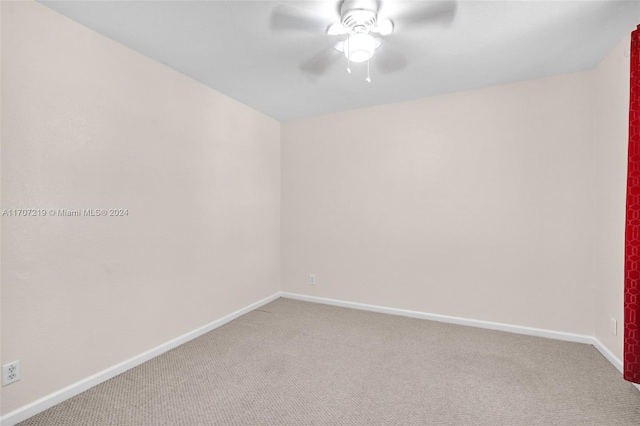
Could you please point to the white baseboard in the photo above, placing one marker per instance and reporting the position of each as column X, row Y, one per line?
column 74, row 389
column 529, row 331
column 57, row 397
column 614, row 360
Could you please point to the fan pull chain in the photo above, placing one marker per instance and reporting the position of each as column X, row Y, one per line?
column 348, row 56
column 368, row 77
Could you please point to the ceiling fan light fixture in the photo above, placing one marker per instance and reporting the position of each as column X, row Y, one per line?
column 359, row 47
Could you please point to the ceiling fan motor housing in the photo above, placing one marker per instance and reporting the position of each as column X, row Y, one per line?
column 359, row 16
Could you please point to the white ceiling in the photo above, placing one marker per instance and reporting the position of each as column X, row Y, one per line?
column 233, row 47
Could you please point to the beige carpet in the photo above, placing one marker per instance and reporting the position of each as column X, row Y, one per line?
column 297, row 363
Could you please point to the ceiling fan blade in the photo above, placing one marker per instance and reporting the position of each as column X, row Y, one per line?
column 386, row 60
column 421, row 13
column 383, row 27
column 287, row 17
column 336, row 29
column 320, row 63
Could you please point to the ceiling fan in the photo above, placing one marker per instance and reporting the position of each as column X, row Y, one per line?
column 361, row 25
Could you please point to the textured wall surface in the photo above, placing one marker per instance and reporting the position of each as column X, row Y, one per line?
column 477, row 204
column 611, row 79
column 87, row 123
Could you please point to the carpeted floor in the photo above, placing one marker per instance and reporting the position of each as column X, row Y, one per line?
column 298, row 363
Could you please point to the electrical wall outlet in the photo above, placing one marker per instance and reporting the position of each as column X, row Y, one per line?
column 312, row 279
column 10, row 373
column 614, row 326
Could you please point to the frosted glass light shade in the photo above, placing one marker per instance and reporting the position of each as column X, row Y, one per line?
column 359, row 47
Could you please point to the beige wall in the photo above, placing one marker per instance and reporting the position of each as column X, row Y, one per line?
column 476, row 204
column 88, row 123
column 611, row 139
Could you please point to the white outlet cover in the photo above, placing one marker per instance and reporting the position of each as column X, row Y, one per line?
column 10, row 373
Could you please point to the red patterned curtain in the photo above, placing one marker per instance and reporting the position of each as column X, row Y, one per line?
column 632, row 231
